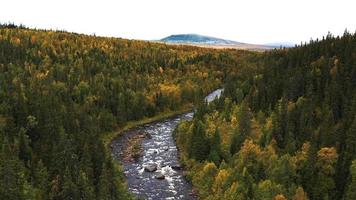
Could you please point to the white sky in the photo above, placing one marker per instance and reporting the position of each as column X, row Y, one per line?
column 252, row 21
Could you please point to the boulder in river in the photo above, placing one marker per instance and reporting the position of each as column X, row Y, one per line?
column 148, row 136
column 176, row 167
column 151, row 167
column 159, row 176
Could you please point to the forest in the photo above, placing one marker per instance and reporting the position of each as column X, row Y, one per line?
column 60, row 92
column 285, row 127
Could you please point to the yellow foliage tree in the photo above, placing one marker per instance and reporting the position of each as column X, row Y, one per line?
column 300, row 194
column 205, row 179
column 280, row 197
column 221, row 181
column 327, row 157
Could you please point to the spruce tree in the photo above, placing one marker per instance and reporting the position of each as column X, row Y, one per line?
column 12, row 173
column 351, row 189
column 199, row 148
column 215, row 148
column 243, row 127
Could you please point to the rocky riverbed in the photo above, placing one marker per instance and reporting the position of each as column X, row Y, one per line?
column 151, row 160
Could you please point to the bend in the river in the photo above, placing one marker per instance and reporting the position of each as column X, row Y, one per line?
column 160, row 156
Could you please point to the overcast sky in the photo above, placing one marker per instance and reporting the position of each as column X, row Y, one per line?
column 252, row 21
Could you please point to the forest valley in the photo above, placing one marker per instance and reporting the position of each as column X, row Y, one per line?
column 285, row 127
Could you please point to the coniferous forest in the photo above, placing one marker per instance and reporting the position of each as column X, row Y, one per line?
column 61, row 92
column 284, row 128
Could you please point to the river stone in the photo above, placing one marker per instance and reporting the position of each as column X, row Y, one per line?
column 148, row 136
column 151, row 167
column 176, row 167
column 159, row 176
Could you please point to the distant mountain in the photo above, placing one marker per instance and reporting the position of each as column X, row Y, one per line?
column 211, row 42
column 200, row 39
column 281, row 44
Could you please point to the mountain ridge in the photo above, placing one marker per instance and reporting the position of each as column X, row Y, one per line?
column 196, row 38
column 211, row 42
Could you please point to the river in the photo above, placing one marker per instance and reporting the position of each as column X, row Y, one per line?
column 158, row 150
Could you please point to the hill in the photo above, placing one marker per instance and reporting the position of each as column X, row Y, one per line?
column 195, row 38
column 211, row 42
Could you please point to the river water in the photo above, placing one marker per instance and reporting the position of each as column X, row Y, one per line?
column 161, row 150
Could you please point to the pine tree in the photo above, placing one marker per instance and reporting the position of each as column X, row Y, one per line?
column 347, row 154
column 69, row 188
column 109, row 188
column 25, row 152
column 215, row 148
column 244, row 119
column 350, row 150
column 40, row 180
column 284, row 173
column 308, row 170
column 327, row 134
column 85, row 188
column 199, row 148
column 12, row 174
column 201, row 110
column 280, row 123
column 351, row 189
column 243, row 127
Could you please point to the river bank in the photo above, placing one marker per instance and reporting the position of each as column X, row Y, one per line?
column 110, row 136
column 149, row 157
